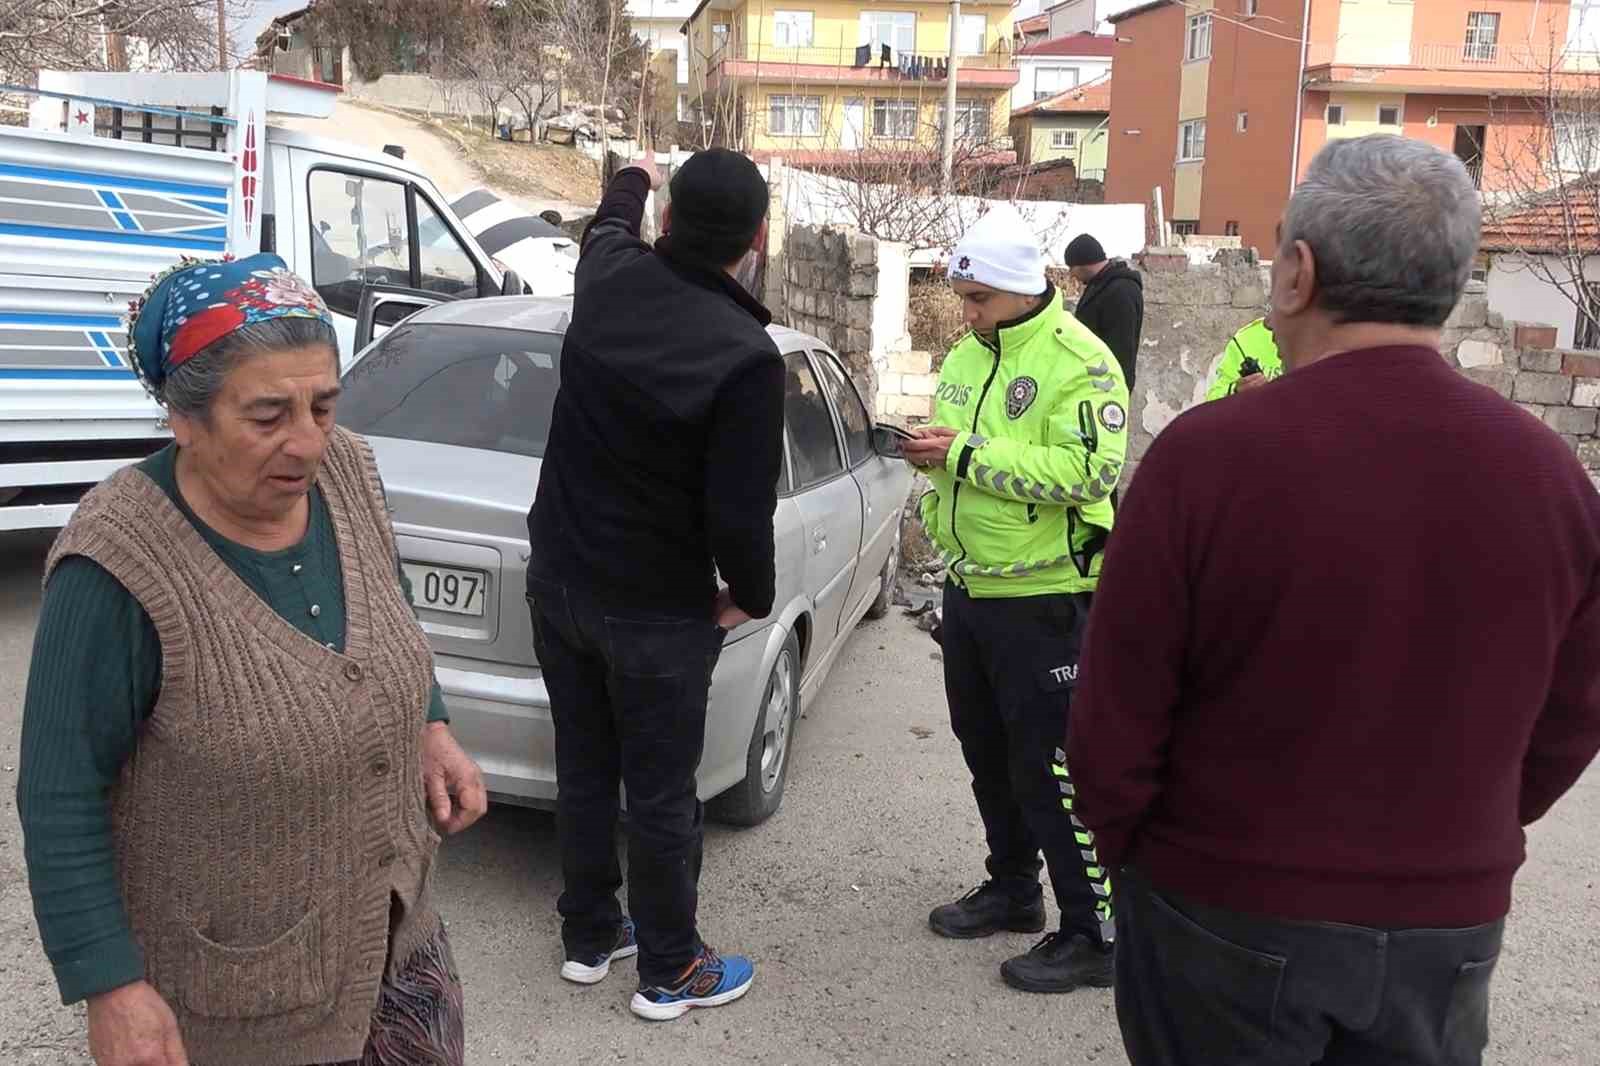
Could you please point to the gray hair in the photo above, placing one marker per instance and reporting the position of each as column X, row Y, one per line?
column 1394, row 226
column 192, row 386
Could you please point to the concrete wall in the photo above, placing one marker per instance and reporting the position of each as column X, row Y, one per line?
column 435, row 96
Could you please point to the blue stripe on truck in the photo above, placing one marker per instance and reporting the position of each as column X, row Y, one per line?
column 119, row 210
column 50, row 318
column 88, row 236
column 108, row 351
column 108, row 374
column 115, row 181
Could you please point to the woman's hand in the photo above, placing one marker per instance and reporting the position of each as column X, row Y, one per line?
column 452, row 781
column 133, row 1026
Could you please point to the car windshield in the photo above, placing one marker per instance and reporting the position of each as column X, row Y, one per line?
column 470, row 386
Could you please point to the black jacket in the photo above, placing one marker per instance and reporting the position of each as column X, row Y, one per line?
column 667, row 433
column 1112, row 306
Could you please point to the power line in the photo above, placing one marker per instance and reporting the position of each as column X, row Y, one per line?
column 1196, row 9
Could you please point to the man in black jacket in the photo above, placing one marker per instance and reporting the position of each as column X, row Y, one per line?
column 665, row 445
column 1112, row 304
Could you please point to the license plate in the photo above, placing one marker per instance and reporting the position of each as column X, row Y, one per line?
column 443, row 588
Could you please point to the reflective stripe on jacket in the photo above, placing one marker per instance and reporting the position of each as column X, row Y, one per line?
column 1022, row 507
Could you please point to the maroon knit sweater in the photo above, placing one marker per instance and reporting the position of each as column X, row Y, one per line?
column 1346, row 645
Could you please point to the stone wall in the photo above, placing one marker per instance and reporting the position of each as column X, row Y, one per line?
column 849, row 290
column 1191, row 311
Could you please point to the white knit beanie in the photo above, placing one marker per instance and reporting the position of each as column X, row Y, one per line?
column 1000, row 251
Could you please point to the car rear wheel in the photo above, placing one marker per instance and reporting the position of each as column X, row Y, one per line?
column 757, row 798
column 891, row 573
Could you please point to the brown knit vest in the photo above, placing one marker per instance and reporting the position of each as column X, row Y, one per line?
column 272, row 811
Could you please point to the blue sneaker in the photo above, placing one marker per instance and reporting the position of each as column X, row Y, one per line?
column 593, row 969
column 710, row 981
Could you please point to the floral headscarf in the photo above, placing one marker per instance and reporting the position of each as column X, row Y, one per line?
column 197, row 303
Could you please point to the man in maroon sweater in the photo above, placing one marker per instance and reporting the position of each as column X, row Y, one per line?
column 1324, row 690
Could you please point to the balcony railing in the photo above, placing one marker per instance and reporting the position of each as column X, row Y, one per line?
column 846, row 56
column 1518, row 58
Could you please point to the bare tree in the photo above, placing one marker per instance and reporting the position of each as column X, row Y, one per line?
column 888, row 179
column 600, row 55
column 109, row 34
column 1541, row 174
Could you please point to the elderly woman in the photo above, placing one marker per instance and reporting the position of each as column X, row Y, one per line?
column 233, row 741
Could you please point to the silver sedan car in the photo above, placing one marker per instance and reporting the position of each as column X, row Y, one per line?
column 456, row 400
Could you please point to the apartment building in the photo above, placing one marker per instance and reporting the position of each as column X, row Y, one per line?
column 1046, row 68
column 1222, row 104
column 821, row 81
column 1069, row 126
column 659, row 25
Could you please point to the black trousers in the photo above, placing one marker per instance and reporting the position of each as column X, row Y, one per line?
column 1010, row 666
column 1198, row 986
column 628, row 696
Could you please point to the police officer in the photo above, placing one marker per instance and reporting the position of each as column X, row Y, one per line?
column 1025, row 447
column 1250, row 360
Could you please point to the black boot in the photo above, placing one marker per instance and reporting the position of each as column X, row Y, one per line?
column 987, row 910
column 1061, row 962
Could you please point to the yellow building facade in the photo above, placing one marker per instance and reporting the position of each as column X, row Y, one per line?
column 840, row 76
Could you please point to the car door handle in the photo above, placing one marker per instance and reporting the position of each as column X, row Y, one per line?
column 819, row 540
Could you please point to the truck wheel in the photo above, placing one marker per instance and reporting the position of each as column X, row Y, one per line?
column 891, row 575
column 757, row 798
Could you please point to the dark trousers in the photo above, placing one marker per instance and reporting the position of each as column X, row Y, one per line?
column 1010, row 666
column 1198, row 986
column 628, row 697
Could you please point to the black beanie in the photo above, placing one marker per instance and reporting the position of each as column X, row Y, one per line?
column 719, row 199
column 1085, row 251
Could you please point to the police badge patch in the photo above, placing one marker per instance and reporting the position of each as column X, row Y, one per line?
column 1020, row 396
column 1113, row 416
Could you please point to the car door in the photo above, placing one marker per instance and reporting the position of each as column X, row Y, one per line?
column 383, row 307
column 827, row 497
column 881, row 480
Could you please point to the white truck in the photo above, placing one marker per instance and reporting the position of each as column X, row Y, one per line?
column 116, row 177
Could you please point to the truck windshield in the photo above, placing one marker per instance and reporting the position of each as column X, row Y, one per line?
column 468, row 386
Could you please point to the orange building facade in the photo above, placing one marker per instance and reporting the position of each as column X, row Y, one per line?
column 1222, row 104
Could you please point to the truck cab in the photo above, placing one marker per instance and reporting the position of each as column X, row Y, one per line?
column 116, row 178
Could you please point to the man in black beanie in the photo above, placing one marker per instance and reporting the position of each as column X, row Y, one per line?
column 660, row 474
column 1112, row 304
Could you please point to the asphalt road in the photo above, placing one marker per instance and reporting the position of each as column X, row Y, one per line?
column 830, row 897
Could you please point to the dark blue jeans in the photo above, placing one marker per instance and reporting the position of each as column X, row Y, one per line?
column 1199, row 986
column 628, row 695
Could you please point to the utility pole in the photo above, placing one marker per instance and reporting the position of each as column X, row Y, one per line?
column 950, row 99
column 222, row 34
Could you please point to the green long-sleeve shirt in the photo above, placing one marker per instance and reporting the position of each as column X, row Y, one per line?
column 94, row 679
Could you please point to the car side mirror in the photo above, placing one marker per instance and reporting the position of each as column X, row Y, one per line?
column 889, row 441
column 511, row 284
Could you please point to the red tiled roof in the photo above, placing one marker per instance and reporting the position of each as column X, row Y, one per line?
column 1552, row 227
column 1073, row 44
column 1089, row 98
column 1036, row 24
